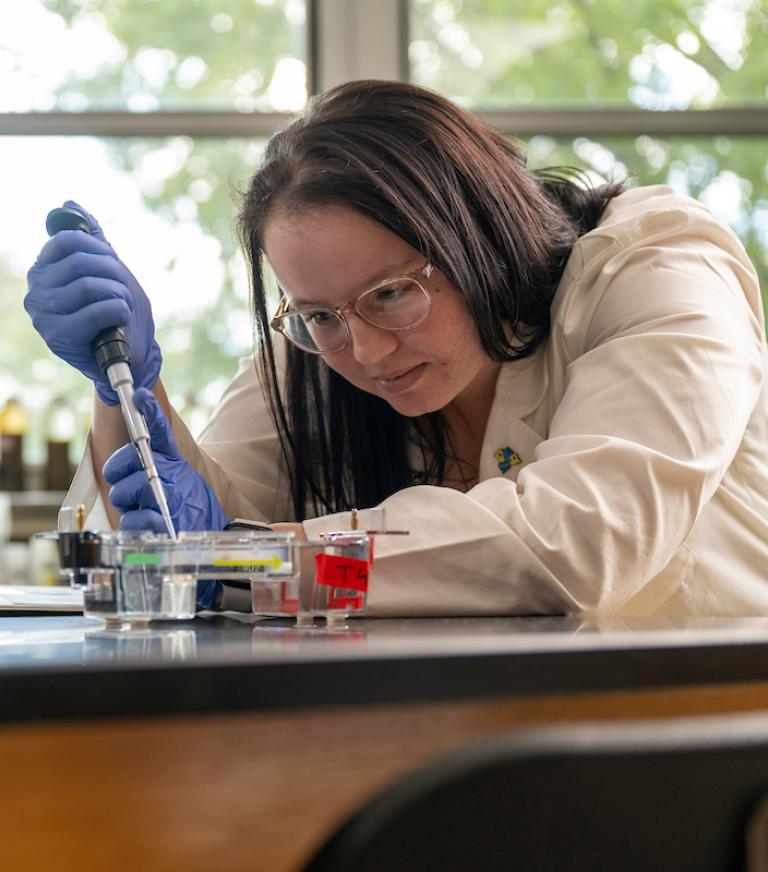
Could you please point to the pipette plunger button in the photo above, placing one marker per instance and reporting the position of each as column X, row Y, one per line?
column 64, row 218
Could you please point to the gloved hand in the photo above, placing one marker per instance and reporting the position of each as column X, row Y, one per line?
column 191, row 501
column 77, row 287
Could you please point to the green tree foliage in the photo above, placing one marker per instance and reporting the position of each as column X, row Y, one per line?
column 202, row 55
column 593, row 52
column 654, row 54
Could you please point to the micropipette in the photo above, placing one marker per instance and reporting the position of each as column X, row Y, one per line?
column 111, row 350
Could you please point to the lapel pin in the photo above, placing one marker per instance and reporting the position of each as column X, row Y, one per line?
column 507, row 458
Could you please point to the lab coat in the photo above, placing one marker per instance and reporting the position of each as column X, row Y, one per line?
column 623, row 468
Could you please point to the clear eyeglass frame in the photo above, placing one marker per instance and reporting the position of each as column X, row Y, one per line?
column 283, row 314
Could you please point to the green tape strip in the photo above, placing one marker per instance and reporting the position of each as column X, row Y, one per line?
column 139, row 559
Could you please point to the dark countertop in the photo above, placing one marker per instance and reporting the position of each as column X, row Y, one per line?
column 65, row 667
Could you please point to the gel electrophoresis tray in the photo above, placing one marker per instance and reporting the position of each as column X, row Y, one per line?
column 141, row 576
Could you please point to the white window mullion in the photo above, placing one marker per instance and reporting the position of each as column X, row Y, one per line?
column 358, row 39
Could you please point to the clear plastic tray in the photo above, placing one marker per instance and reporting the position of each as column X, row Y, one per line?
column 141, row 576
column 330, row 581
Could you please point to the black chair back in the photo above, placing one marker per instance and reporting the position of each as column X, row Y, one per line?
column 683, row 795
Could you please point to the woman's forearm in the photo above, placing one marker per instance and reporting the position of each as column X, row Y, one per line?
column 108, row 433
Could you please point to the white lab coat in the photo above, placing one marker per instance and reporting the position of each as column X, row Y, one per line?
column 642, row 430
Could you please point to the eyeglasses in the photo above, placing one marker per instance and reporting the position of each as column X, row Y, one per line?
column 396, row 304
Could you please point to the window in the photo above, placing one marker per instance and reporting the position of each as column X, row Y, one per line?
column 149, row 94
column 649, row 54
column 153, row 113
column 665, row 91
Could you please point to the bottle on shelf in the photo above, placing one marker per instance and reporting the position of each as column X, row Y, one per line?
column 60, row 428
column 14, row 421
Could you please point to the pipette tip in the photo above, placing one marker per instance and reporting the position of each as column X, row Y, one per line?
column 162, row 503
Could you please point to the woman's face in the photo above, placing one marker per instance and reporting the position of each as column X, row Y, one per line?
column 331, row 255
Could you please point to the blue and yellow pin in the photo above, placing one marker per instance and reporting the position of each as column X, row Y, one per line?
column 507, row 458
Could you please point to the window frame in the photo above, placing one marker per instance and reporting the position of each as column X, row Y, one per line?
column 355, row 39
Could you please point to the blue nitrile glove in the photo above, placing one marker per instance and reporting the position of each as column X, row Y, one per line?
column 191, row 501
column 78, row 287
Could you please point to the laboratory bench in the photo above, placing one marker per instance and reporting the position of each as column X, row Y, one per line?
column 232, row 742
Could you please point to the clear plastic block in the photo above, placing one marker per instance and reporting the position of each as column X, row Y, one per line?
column 135, row 577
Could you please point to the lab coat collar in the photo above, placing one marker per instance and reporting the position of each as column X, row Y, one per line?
column 510, row 441
column 522, row 385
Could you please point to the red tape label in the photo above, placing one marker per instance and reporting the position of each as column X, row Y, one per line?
column 346, row 572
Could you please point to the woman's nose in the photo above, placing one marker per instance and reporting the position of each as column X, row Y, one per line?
column 369, row 344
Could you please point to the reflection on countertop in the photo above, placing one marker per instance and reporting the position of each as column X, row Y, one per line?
column 34, row 642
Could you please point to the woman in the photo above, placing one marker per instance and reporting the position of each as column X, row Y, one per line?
column 559, row 392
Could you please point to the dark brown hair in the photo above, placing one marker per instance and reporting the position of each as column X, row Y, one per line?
column 456, row 190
